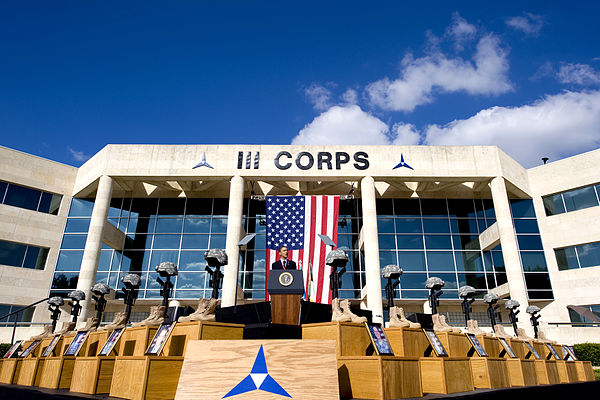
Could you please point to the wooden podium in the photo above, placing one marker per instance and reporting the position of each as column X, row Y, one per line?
column 286, row 288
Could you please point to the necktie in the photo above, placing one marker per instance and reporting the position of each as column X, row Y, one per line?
column 284, row 264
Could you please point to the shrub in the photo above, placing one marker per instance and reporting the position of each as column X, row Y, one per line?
column 588, row 352
column 4, row 348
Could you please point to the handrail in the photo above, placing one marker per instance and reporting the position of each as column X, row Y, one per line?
column 12, row 340
column 576, row 324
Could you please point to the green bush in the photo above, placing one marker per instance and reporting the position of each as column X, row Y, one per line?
column 588, row 352
column 4, row 348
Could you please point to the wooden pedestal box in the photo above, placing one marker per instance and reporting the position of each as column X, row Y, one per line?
column 10, row 370
column 456, row 344
column 28, row 371
column 519, row 347
column 490, row 345
column 146, row 377
column 588, row 371
column 521, row 372
column 546, row 372
column 351, row 339
column 489, row 373
column 200, row 330
column 92, row 375
column 135, row 341
column 57, row 372
column 567, row 371
column 407, row 342
column 445, row 375
column 379, row 377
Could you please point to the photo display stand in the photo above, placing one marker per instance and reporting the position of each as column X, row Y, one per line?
column 567, row 370
column 160, row 339
column 31, row 361
column 477, row 346
column 521, row 372
column 532, row 352
column 56, row 371
column 111, row 342
column 435, row 343
column 76, row 344
column 507, row 349
column 552, row 352
column 487, row 372
column 379, row 340
column 49, row 350
column 10, row 363
column 29, row 350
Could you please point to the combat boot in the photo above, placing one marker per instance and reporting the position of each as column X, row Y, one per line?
column 345, row 307
column 119, row 321
column 337, row 315
column 90, row 325
column 202, row 304
column 66, row 327
column 47, row 332
column 406, row 321
column 437, row 324
column 500, row 332
column 156, row 317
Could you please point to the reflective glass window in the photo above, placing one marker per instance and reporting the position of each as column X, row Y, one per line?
column 104, row 260
column 540, row 294
column 408, row 225
column 3, row 186
column 434, row 208
column 12, row 253
column 460, row 208
column 77, row 225
column 65, row 280
column 498, row 261
column 50, row 203
column 413, row 281
column 407, row 207
column 441, row 242
column 409, row 241
column 73, row 242
column 566, row 258
column 217, row 241
column 580, row 198
column 385, row 225
column 220, row 207
column 466, row 242
column 465, row 226
column 553, row 204
column 218, row 225
column 589, row 254
column 530, row 242
column 522, row 208
column 191, row 280
column 192, row 261
column 196, row 225
column 171, row 207
column 199, row 207
column 169, row 225
column 194, row 242
column 469, row 261
column 387, row 242
column 69, row 260
column 533, row 261
column 411, row 260
column 159, row 256
column 143, row 207
column 526, row 226
column 384, row 207
column 436, row 225
column 449, row 279
column 19, row 196
column 387, row 258
column 35, row 257
column 537, row 281
column 478, row 281
column 440, row 261
column 414, row 294
column 81, row 208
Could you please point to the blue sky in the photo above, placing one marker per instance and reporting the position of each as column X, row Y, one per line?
column 76, row 76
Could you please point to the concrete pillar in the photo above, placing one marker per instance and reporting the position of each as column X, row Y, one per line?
column 510, row 251
column 234, row 229
column 93, row 244
column 371, row 248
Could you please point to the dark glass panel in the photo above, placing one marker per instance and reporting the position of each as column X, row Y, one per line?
column 413, row 281
column 348, row 208
column 73, row 242
column 440, row 261
column 533, row 261
column 527, row 242
column 540, row 294
column 491, row 281
column 414, row 294
column 537, row 281
column 434, row 208
column 449, row 294
column 77, row 225
column 384, row 207
column 169, row 225
column 259, row 208
column 81, row 208
column 196, row 225
column 407, row 207
column 22, row 197
column 344, row 225
column 102, row 277
column 411, row 260
column 12, row 253
column 219, row 225
column 159, row 256
column 190, row 294
column 3, row 186
column 566, row 258
column 385, row 225
column 65, row 281
column 409, row 242
column 346, row 241
column 135, row 261
column 501, row 279
column 464, row 226
column 450, row 280
column 469, row 261
column 151, row 294
column 191, row 280
column 220, row 207
column 115, row 208
column 461, row 208
column 194, row 242
column 408, row 225
column 192, row 261
column 387, row 258
column 488, row 207
column 522, row 208
column 260, row 242
column 526, row 226
column 498, row 259
column 199, row 207
column 387, row 242
column 171, row 207
column 466, row 242
column 217, row 241
column 50, row 203
column 553, row 204
column 69, row 260
column 576, row 199
column 126, row 207
column 141, row 225
column 104, row 260
column 436, row 226
column 35, row 257
column 143, row 207
column 475, row 280
column 489, row 222
column 441, row 242
column 589, row 254
column 138, row 241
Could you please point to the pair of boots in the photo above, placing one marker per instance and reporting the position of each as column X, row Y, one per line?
column 205, row 311
column 522, row 335
column 119, row 321
column 66, row 327
column 156, row 317
column 500, row 332
column 440, row 325
column 47, row 332
column 542, row 338
column 341, row 312
column 473, row 327
column 398, row 320
column 90, row 325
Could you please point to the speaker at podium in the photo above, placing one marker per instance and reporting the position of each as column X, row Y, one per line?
column 286, row 288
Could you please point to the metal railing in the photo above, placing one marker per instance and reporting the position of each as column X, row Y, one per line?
column 16, row 322
column 576, row 324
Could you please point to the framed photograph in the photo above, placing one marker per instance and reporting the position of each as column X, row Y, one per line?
column 30, row 348
column 380, row 341
column 477, row 345
column 435, row 342
column 76, row 344
column 571, row 352
column 51, row 346
column 532, row 350
column 553, row 351
column 509, row 350
column 160, row 338
column 12, row 352
column 111, row 342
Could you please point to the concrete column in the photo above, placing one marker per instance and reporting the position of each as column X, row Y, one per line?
column 510, row 251
column 234, row 229
column 371, row 248
column 93, row 244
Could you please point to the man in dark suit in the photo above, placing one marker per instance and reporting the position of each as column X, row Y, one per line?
column 283, row 262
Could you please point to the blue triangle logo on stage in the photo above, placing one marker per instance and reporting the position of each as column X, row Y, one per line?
column 402, row 163
column 258, row 379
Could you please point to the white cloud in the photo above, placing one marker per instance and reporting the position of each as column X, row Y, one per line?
column 319, row 96
column 460, row 30
column 579, row 74
column 405, row 134
column 555, row 126
column 344, row 125
column 528, row 23
column 350, row 96
column 78, row 155
column 486, row 75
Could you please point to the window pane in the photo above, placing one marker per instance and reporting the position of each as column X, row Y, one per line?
column 466, row 242
column 169, row 225
column 465, row 226
column 3, row 186
column 411, row 260
column 194, row 242
column 191, row 280
column 196, row 225
column 73, row 242
column 522, row 208
column 135, row 261
column 35, row 257
column 384, row 207
column 385, row 225
column 344, row 241
column 409, row 241
column 434, row 208
column 77, row 225
column 12, row 253
column 171, row 207
column 533, row 261
column 436, row 226
column 413, row 281
column 219, row 225
column 553, row 204
column 408, row 225
column 104, row 260
column 81, row 208
column 440, row 261
column 566, row 258
column 461, row 208
column 192, row 261
column 450, row 280
column 143, row 207
column 498, row 261
column 407, row 207
column 579, row 198
column 199, row 207
column 469, row 261
column 260, row 242
column 138, row 241
column 220, row 208
column 387, row 258
column 537, row 281
column 217, row 241
column 414, row 294
column 475, row 280
column 526, row 226
column 22, row 197
column 438, row 242
column 540, row 294
column 159, row 256
column 533, row 242
column 387, row 242
column 589, row 254
column 48, row 203
column 65, row 281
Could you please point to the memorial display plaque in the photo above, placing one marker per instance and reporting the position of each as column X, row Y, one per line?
column 76, row 344
column 435, row 342
column 379, row 340
column 477, row 345
column 509, row 350
column 159, row 340
column 30, row 348
column 12, row 352
column 571, row 352
column 533, row 351
column 51, row 346
column 553, row 351
column 111, row 342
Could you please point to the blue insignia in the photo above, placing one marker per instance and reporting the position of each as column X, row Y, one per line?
column 402, row 163
column 203, row 163
column 258, row 379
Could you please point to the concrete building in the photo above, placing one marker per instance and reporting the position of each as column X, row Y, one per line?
column 468, row 214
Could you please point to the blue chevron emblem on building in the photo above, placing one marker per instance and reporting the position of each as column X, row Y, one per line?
column 402, row 163
column 203, row 163
column 258, row 379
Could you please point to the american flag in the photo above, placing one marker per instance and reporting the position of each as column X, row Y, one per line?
column 296, row 222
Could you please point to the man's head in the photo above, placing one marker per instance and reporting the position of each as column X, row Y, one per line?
column 283, row 252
